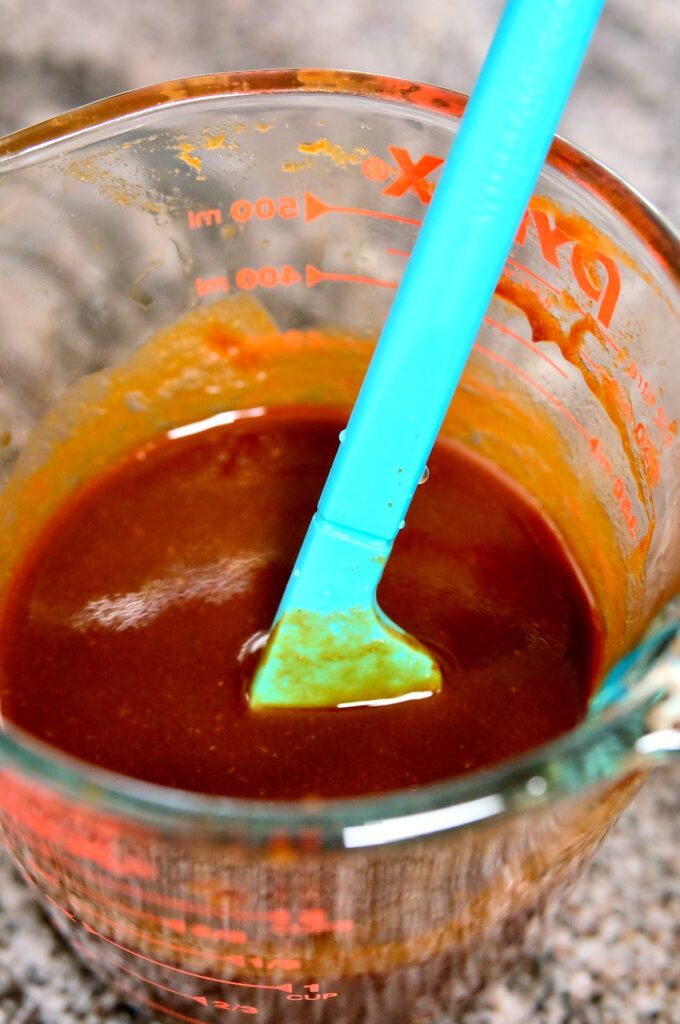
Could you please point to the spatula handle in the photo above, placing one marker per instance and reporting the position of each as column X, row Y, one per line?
column 459, row 255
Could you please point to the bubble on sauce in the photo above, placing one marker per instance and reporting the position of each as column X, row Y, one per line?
column 342, row 435
column 254, row 645
column 537, row 786
column 247, row 659
column 424, row 476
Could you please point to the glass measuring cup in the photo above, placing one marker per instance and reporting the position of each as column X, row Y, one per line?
column 283, row 204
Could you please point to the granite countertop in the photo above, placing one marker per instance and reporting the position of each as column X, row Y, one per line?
column 612, row 955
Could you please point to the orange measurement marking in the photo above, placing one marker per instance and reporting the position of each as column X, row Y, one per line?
column 534, row 384
column 62, row 910
column 596, row 274
column 605, row 334
column 248, row 278
column 411, row 176
column 589, row 360
column 510, row 260
column 530, row 345
column 91, row 955
column 312, row 919
column 314, row 276
column 594, row 443
column 201, row 1000
column 45, row 829
column 113, row 885
column 605, row 286
column 234, row 959
column 174, row 924
column 601, row 456
column 532, row 273
column 211, row 285
column 136, row 996
column 219, row 1005
column 550, row 237
column 203, row 218
column 584, row 312
column 315, row 207
column 376, row 169
column 264, row 208
column 286, row 986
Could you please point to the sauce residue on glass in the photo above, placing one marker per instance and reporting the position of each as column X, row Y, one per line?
column 132, row 626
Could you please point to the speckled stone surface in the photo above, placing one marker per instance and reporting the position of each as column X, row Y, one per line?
column 612, row 956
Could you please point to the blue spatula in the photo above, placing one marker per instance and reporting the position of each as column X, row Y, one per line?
column 332, row 645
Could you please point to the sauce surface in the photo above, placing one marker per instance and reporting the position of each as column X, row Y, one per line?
column 131, row 629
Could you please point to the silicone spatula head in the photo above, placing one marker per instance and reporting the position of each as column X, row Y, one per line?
column 331, row 644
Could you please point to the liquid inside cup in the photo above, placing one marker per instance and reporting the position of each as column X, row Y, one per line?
column 161, row 577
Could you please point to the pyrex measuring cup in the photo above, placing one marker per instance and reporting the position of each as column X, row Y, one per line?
column 283, row 205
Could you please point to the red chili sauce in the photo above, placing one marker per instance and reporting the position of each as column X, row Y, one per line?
column 131, row 628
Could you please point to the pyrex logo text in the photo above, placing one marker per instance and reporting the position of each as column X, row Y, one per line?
column 596, row 274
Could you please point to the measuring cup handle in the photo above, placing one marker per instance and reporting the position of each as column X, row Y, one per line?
column 646, row 683
column 663, row 718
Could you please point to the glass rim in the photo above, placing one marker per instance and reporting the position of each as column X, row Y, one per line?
column 514, row 785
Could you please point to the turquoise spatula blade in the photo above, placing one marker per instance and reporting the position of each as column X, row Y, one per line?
column 331, row 644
